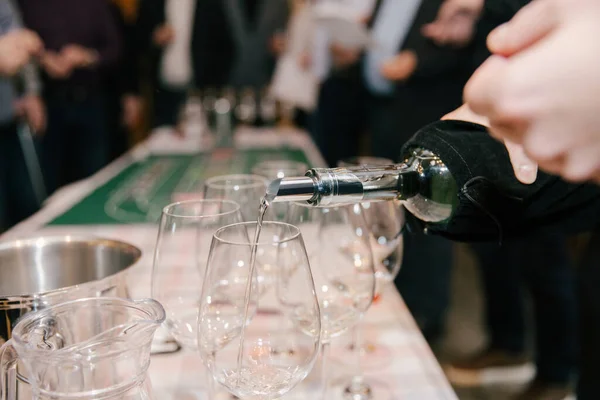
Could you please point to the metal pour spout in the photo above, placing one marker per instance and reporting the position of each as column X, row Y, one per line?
column 422, row 182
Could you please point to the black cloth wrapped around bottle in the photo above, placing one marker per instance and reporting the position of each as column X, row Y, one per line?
column 492, row 203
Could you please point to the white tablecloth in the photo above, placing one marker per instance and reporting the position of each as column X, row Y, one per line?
column 407, row 367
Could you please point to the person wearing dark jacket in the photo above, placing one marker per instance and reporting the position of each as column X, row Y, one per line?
column 404, row 81
column 200, row 44
column 507, row 208
column 82, row 43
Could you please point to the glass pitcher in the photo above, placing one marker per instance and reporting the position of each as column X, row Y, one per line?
column 91, row 348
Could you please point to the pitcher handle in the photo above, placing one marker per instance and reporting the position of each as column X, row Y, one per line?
column 8, row 371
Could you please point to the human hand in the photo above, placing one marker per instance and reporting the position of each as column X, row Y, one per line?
column 342, row 56
column 278, row 44
column 132, row 111
column 163, row 35
column 455, row 22
column 400, row 67
column 55, row 65
column 544, row 96
column 16, row 49
column 32, row 109
column 525, row 169
column 305, row 60
column 77, row 56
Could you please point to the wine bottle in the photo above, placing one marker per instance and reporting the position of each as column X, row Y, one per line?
column 459, row 183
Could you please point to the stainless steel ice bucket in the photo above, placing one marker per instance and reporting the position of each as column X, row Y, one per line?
column 41, row 271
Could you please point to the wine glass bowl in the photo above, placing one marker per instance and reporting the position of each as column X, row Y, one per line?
column 182, row 247
column 246, row 190
column 244, row 336
column 340, row 255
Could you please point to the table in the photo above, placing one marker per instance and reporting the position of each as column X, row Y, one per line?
column 123, row 202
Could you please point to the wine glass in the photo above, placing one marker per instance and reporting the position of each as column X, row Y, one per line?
column 246, row 190
column 180, row 255
column 242, row 333
column 246, row 109
column 268, row 107
column 342, row 262
column 385, row 221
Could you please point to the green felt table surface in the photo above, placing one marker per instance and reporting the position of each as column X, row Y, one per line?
column 139, row 192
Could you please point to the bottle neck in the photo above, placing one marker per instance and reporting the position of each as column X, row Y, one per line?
column 364, row 183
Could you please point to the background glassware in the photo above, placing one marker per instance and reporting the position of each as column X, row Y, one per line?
column 241, row 345
column 246, row 190
column 92, row 348
column 182, row 248
column 342, row 263
column 273, row 169
column 246, row 109
column 384, row 220
column 268, row 107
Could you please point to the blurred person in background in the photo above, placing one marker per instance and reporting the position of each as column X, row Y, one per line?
column 124, row 102
column 17, row 48
column 82, row 42
column 547, row 268
column 199, row 44
column 402, row 82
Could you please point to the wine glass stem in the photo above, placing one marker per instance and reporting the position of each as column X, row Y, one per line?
column 325, row 347
column 358, row 349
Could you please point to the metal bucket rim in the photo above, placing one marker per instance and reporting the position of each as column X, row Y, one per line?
column 51, row 239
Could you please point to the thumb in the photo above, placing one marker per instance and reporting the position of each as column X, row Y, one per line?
column 532, row 23
column 525, row 169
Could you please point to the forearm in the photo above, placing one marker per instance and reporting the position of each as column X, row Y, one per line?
column 492, row 204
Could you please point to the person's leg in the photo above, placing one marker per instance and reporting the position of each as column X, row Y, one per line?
column 502, row 281
column 551, row 280
column 54, row 144
column 588, row 387
column 167, row 106
column 424, row 281
column 89, row 137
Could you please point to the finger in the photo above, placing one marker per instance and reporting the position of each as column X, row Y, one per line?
column 528, row 26
column 525, row 169
column 581, row 164
column 483, row 90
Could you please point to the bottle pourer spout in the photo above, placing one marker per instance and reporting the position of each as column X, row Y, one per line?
column 291, row 189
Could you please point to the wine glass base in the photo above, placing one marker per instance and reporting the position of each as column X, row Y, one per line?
column 370, row 389
column 373, row 355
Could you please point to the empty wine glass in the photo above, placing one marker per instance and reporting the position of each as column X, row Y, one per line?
column 385, row 221
column 244, row 336
column 246, row 109
column 342, row 262
column 182, row 248
column 268, row 107
column 246, row 190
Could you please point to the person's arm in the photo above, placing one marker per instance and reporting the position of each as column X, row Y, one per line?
column 32, row 84
column 492, row 203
